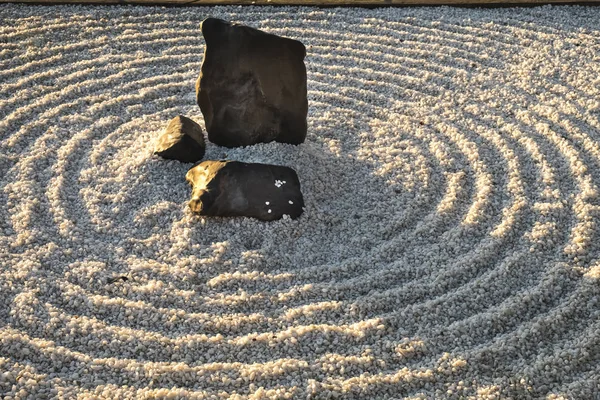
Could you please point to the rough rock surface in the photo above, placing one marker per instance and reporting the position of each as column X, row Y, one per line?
column 252, row 86
column 182, row 140
column 232, row 188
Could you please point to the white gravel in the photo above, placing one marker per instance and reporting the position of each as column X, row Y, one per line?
column 450, row 246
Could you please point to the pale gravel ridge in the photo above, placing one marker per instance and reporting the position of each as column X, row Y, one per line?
column 450, row 246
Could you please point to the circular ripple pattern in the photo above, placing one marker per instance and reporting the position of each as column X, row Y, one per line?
column 450, row 246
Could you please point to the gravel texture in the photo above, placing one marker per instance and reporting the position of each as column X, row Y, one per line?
column 450, row 246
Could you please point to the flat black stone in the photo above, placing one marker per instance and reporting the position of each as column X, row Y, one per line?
column 182, row 140
column 252, row 86
column 233, row 189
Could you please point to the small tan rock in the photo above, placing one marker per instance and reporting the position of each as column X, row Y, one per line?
column 182, row 140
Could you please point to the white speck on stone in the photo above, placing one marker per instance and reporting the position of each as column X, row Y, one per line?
column 267, row 202
column 291, row 202
column 269, row 211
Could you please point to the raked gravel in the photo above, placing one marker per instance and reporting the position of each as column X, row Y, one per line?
column 450, row 246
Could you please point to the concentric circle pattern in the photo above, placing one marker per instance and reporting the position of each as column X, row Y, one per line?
column 450, row 246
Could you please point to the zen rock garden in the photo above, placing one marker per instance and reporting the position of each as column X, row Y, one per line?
column 251, row 89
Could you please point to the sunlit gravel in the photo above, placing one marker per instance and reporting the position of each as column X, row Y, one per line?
column 450, row 246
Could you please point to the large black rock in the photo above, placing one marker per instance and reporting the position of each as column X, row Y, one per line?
column 252, row 86
column 182, row 140
column 232, row 188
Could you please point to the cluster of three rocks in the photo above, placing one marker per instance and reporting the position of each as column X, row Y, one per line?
column 251, row 89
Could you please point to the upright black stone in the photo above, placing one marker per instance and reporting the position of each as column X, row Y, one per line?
column 252, row 86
